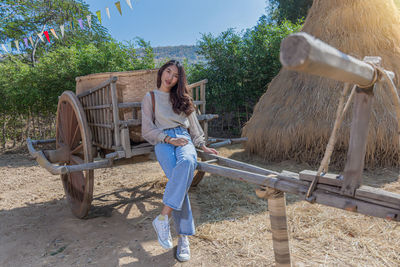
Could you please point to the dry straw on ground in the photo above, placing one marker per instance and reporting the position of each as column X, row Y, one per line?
column 234, row 225
column 293, row 119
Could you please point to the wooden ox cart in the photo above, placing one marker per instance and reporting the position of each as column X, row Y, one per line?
column 103, row 118
column 101, row 124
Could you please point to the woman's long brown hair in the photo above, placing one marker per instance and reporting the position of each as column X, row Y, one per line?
column 179, row 94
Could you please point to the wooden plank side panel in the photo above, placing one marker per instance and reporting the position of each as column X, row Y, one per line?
column 328, row 178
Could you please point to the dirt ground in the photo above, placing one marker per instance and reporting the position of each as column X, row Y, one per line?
column 232, row 224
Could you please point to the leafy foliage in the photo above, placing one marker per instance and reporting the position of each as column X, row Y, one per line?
column 23, row 18
column 28, row 91
column 238, row 68
column 292, row 10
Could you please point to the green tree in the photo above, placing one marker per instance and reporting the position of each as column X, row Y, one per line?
column 238, row 67
column 30, row 94
column 20, row 19
column 293, row 10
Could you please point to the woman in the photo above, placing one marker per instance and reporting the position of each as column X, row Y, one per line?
column 167, row 128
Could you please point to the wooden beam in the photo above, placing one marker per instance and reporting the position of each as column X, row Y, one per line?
column 100, row 86
column 114, row 99
column 199, row 83
column 288, row 184
column 328, row 178
column 303, row 52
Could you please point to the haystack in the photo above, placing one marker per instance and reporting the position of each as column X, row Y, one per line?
column 294, row 118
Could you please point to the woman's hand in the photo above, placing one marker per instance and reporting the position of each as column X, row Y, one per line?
column 177, row 141
column 209, row 150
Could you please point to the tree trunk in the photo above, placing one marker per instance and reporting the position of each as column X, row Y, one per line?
column 3, row 134
column 14, row 134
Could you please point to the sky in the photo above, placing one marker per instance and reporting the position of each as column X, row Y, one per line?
column 176, row 22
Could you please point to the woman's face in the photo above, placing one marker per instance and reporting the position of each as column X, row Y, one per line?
column 169, row 77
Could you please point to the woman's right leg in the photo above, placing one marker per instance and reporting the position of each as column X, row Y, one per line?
column 166, row 157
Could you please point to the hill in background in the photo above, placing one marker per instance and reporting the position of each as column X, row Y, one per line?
column 180, row 52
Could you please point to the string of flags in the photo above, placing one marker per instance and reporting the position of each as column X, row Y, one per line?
column 8, row 46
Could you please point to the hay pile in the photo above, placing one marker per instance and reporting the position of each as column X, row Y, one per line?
column 294, row 118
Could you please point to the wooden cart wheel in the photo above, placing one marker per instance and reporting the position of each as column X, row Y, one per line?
column 73, row 135
column 198, row 176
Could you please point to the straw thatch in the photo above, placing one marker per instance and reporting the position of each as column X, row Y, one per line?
column 294, row 118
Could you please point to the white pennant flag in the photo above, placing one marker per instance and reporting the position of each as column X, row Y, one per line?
column 89, row 20
column 41, row 36
column 129, row 3
column 4, row 47
column 17, row 45
column 108, row 13
column 62, row 28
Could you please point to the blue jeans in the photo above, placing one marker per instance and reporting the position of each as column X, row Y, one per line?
column 178, row 163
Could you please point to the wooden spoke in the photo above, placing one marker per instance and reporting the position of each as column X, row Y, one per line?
column 76, row 137
column 77, row 150
column 73, row 134
column 76, row 160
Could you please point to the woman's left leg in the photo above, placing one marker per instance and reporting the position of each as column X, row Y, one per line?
column 176, row 191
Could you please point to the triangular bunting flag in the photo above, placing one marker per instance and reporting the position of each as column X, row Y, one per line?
column 80, row 23
column 46, row 33
column 30, row 40
column 89, row 20
column 108, row 13
column 4, row 48
column 40, row 34
column 26, row 42
column 54, row 33
column 98, row 13
column 118, row 5
column 62, row 28
column 129, row 3
column 17, row 45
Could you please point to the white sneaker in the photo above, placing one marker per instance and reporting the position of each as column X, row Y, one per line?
column 183, row 250
column 163, row 232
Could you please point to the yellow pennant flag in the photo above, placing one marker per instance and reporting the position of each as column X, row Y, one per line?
column 54, row 33
column 118, row 5
column 98, row 13
column 17, row 45
column 30, row 39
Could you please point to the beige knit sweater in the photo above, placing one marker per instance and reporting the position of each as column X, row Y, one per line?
column 166, row 118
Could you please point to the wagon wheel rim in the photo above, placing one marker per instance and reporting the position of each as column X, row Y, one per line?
column 73, row 134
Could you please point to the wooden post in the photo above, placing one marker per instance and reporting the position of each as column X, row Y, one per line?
column 203, row 108
column 277, row 215
column 352, row 175
column 353, row 170
column 115, row 112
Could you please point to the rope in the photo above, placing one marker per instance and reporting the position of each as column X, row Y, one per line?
column 341, row 111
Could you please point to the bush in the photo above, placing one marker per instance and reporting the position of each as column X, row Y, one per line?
column 238, row 68
column 29, row 92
